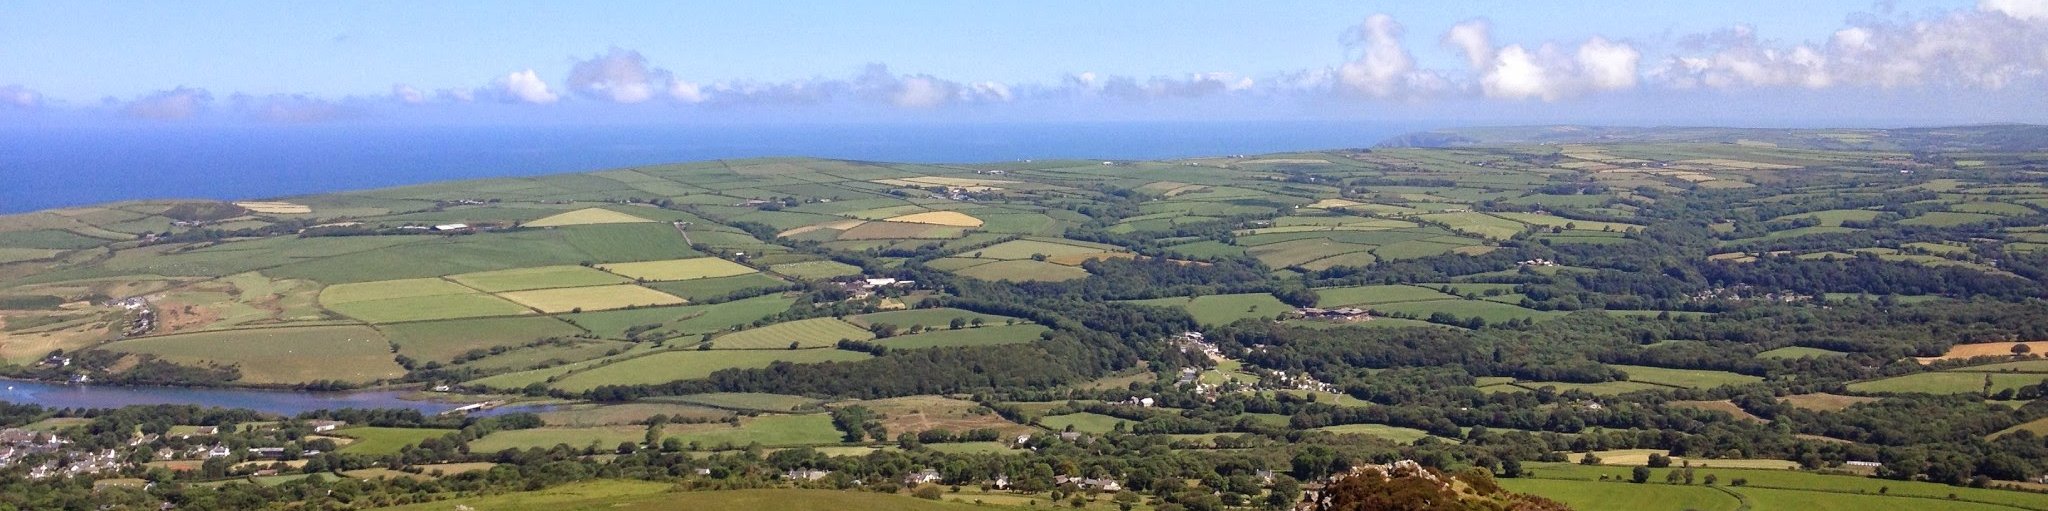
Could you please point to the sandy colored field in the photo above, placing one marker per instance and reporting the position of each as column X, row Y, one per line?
column 915, row 414
column 837, row 226
column 679, row 269
column 275, row 208
column 1983, row 349
column 586, row 216
column 594, row 298
column 952, row 218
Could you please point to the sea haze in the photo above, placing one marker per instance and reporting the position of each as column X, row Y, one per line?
column 54, row 167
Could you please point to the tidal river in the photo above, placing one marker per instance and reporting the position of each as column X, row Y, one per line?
column 282, row 402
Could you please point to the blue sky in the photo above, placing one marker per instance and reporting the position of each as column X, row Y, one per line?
column 524, row 62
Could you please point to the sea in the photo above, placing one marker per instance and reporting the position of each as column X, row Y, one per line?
column 43, row 168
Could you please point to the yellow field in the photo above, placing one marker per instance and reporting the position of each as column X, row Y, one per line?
column 951, row 218
column 594, row 298
column 275, row 208
column 586, row 216
column 837, row 226
column 1333, row 203
column 1983, row 349
column 679, row 269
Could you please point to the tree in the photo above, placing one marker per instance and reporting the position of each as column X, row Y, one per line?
column 2021, row 349
column 1711, row 479
column 1640, row 475
column 928, row 492
column 1658, row 460
column 1125, row 500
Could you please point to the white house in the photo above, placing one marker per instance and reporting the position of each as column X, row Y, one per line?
column 451, row 227
column 921, row 477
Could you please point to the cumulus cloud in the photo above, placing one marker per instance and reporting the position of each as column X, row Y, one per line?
column 1548, row 72
column 1383, row 68
column 523, row 87
column 17, row 96
column 623, row 76
column 408, row 94
column 174, row 104
column 1474, row 39
column 2001, row 44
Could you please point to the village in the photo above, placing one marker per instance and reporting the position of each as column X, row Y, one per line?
column 48, row 452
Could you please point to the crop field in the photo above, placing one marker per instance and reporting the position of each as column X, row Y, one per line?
column 768, row 430
column 949, row 218
column 604, row 437
column 678, row 269
column 1817, row 489
column 395, row 301
column 355, row 354
column 551, row 354
column 1083, row 422
column 390, row 289
column 586, row 216
column 929, row 318
column 1598, row 389
column 1023, row 271
column 1397, row 434
column 1792, row 352
column 753, row 401
column 816, row 270
column 1026, row 248
column 671, row 366
column 1948, row 219
column 626, row 414
column 1618, row 496
column 972, row 336
column 1825, row 402
column 1492, row 312
column 691, row 319
column 806, row 333
column 1949, row 383
column 445, row 340
column 1688, row 378
column 1477, row 223
column 612, row 243
column 1985, row 349
column 1835, row 217
column 645, row 496
column 383, row 441
column 545, row 277
column 1223, row 309
column 698, row 290
column 1374, row 295
column 595, row 298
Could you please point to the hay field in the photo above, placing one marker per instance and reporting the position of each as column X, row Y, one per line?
column 586, row 216
column 671, row 366
column 678, row 269
column 275, row 208
column 806, row 333
column 949, row 218
column 594, row 298
column 544, row 277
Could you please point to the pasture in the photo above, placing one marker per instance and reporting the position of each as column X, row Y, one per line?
column 972, row 336
column 816, row 270
column 678, row 269
column 1023, row 271
column 698, row 290
column 930, row 318
column 1027, row 248
column 1083, row 422
column 805, row 333
column 1949, row 383
column 1396, row 434
column 1821, row 487
column 916, row 414
column 426, row 299
column 279, row 356
column 377, row 441
column 1687, row 378
column 1795, row 352
column 1825, row 402
column 594, row 298
column 544, row 277
column 671, row 366
column 445, row 340
column 1621, row 496
column 626, row 495
column 1374, row 295
column 1223, row 309
column 753, row 401
column 768, row 430
column 626, row 414
column 689, row 319
column 605, row 438
column 1492, row 312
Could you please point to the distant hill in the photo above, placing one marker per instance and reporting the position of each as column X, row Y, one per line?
column 1990, row 137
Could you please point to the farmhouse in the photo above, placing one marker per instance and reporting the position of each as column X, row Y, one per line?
column 921, row 477
column 451, row 227
column 804, row 474
column 1343, row 313
column 322, row 426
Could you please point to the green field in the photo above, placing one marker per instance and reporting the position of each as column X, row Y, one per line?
column 805, row 333
column 1620, row 496
column 390, row 289
column 1948, row 219
column 444, row 340
column 1397, row 434
column 1948, row 382
column 1688, row 378
column 1083, row 422
column 647, row 496
column 1792, row 352
column 678, row 269
column 690, row 319
column 279, row 355
column 393, row 301
column 606, row 438
column 1224, row 309
column 1817, row 489
column 698, row 290
column 983, row 336
column 670, row 366
column 544, row 277
column 930, row 318
column 1023, row 271
column 1492, row 312
column 1375, row 295
column 746, row 401
column 768, row 430
column 1026, row 248
column 382, row 441
column 816, row 270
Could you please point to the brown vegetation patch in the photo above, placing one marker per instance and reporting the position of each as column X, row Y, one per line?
column 1983, row 349
column 1825, row 402
column 917, row 414
column 1720, row 406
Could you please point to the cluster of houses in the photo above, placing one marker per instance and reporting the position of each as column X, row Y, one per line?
column 930, row 476
column 145, row 317
column 1536, row 262
column 1746, row 293
column 864, row 287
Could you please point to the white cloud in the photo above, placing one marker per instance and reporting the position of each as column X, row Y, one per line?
column 524, row 87
column 1383, row 66
column 19, row 97
column 1547, row 72
column 173, row 104
column 1608, row 65
column 407, row 94
column 2030, row 10
column 623, row 76
column 1474, row 39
